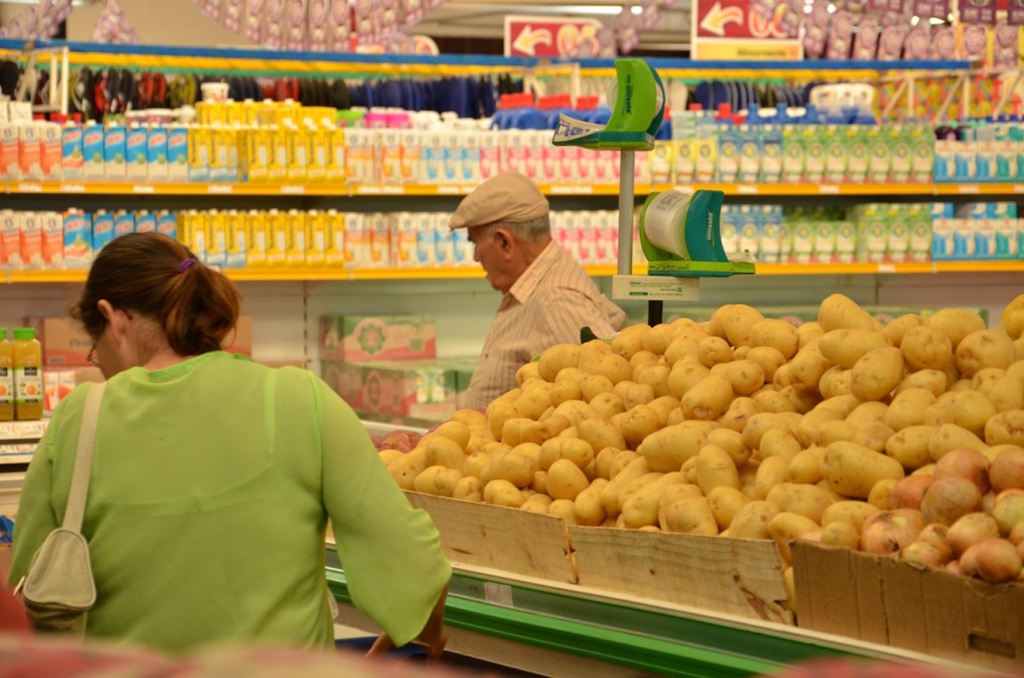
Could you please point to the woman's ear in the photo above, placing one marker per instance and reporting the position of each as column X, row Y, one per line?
column 106, row 309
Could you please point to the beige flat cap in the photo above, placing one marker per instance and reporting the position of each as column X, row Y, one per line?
column 509, row 197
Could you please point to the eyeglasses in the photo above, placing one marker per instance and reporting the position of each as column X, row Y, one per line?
column 91, row 356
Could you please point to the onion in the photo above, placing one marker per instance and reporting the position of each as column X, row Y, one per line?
column 1008, row 511
column 998, row 560
column 1007, row 469
column 1017, row 534
column 953, row 566
column 971, row 529
column 988, row 502
column 926, row 553
column 969, row 562
column 934, row 533
column 888, row 532
column 948, row 498
column 908, row 492
column 964, row 462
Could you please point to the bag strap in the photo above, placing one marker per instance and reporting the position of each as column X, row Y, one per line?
column 83, row 458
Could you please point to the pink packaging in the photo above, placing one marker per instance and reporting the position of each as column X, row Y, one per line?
column 918, row 42
column 385, row 337
column 866, row 42
column 943, row 43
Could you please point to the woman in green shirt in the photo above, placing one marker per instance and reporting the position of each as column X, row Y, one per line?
column 213, row 478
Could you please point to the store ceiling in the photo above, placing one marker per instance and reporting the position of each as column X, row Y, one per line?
column 486, row 19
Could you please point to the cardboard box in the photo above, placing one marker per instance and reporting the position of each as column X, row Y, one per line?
column 883, row 600
column 420, row 389
column 394, row 337
column 462, row 372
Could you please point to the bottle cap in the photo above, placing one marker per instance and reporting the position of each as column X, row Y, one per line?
column 24, row 333
column 3, row 334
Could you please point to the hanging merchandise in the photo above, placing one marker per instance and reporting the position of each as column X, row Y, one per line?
column 1015, row 12
column 412, row 12
column 928, row 9
column 212, row 9
column 233, row 15
column 296, row 31
column 649, row 14
column 977, row 11
column 112, row 26
column 366, row 30
column 387, row 11
column 273, row 24
column 254, row 11
column 339, row 26
column 318, row 25
column 628, row 38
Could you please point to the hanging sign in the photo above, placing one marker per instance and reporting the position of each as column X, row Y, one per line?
column 732, row 30
column 552, row 37
column 977, row 11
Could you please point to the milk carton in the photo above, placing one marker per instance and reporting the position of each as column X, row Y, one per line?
column 357, row 240
column 472, row 157
column 256, row 239
column 1006, row 238
column 663, row 162
column 749, row 228
column 145, row 221
column 879, row 155
column 845, row 242
column 167, row 223
column 814, row 153
column 770, row 244
column 31, row 235
column 899, row 234
column 404, row 239
column 52, row 224
column 29, row 151
column 858, row 156
column 10, row 240
column 380, row 239
column 823, row 234
column 337, row 164
column 177, row 153
column 922, row 148
column 50, row 150
column 124, row 223
column 749, row 153
column 728, row 154
column 77, row 239
column 490, row 155
column 792, row 154
column 919, row 223
column 706, row 159
column 156, row 153
column 433, row 154
column 102, row 229
column 772, row 158
column 900, row 154
column 835, row 154
column 136, row 154
column 277, row 238
column 257, row 154
column 114, row 152
column 9, row 160
column 296, row 244
column 964, row 238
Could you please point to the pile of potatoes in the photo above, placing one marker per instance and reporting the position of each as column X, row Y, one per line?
column 742, row 426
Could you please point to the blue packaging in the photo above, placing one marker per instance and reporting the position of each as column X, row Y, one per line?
column 145, row 221
column 135, row 154
column 156, row 153
column 102, row 229
column 124, row 223
column 115, row 139
column 167, row 223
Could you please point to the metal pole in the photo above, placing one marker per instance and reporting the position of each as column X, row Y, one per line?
column 626, row 162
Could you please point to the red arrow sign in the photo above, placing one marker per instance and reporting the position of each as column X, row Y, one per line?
column 546, row 36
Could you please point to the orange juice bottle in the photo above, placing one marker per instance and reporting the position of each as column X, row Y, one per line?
column 28, row 375
column 6, row 378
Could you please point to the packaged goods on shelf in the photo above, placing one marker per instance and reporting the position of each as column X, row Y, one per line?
column 415, row 389
column 386, row 337
column 796, row 314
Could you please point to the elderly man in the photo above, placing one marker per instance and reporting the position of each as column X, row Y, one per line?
column 546, row 295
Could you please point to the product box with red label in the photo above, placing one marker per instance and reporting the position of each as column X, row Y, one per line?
column 383, row 337
column 420, row 389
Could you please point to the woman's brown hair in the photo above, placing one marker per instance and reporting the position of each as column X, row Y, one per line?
column 158, row 277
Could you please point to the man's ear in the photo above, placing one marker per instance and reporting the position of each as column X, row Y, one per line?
column 503, row 238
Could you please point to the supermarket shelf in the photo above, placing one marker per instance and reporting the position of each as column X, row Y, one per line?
column 630, row 635
column 17, row 431
column 460, row 189
column 339, row 274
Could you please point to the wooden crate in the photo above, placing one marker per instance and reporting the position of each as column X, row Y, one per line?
column 735, row 576
column 484, row 535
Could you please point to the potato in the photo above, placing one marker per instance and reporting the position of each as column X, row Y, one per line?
column 840, row 534
column 809, row 431
column 845, row 347
column 658, row 339
column 761, row 423
column 950, row 436
column 515, row 468
column 738, row 413
column 565, row 480
column 424, row 482
column 576, row 450
column 809, row 332
column 537, row 503
column 735, row 322
column 956, row 323
column 405, row 470
column 908, row 408
column 852, row 470
column 877, row 373
column 715, row 468
column 770, row 472
column 664, row 406
column 608, row 405
column 620, row 461
column 610, row 492
column 779, row 443
column 898, row 327
column 982, row 349
column 853, row 513
column 641, row 509
column 594, row 385
column 615, row 367
column 713, row 350
column 600, row 434
column 930, row 380
column 926, row 348
column 655, row 377
column 683, row 346
column 630, row 340
column 638, row 423
column 503, row 493
column 1007, row 393
column 751, row 521
column 690, row 516
column 548, row 427
column 840, row 312
column 807, row 368
column 534, row 399
column 809, row 501
column 632, row 487
column 732, row 442
column 1006, row 428
column 526, row 373
column 769, row 358
column 633, row 394
column 539, row 483
column 388, row 456
column 745, row 376
column 564, row 390
column 971, row 410
column 707, row 399
column 773, row 401
column 666, row 450
column 564, row 509
column 873, row 436
column 805, row 466
column 775, row 334
column 445, row 482
column 684, row 376
column 587, row 508
column 469, row 489
column 785, row 528
column 725, row 503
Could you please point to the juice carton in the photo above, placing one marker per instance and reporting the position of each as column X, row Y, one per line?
column 462, row 248
column 942, row 239
column 490, row 156
column 945, row 160
column 728, row 154
column 199, row 150
column 50, row 150
column 515, row 151
column 792, row 154
column 156, row 153
column 923, row 154
column 177, row 153
column 258, row 153
column 964, row 238
column 297, row 140
column 102, row 229
column 391, row 156
column 749, row 155
column 29, row 152
column 319, row 139
column 965, row 161
column 879, row 155
column 770, row 243
column 9, row 160
column 1006, row 153
column 186, row 228
column 706, row 159
column 452, row 155
column 801, row 238
column 472, row 157
column 145, row 221
column 685, row 166
column 52, row 224
column 919, row 223
column 814, row 153
column 985, row 239
column 256, row 239
column 845, row 242
column 872, row 232
column 235, row 229
column 749, row 227
column 334, row 238
column 31, row 235
column 662, row 162
column 444, row 242
column 432, row 153
column 858, row 155
column 296, row 243
column 197, row 229
column 900, row 154
column 277, row 238
column 411, row 155
column 10, row 240
column 135, row 154
column 223, row 153
column 404, row 239
column 1006, row 238
column 536, row 142
column 729, row 230
column 92, row 152
column 380, row 239
column 167, row 223
column 277, row 170
column 316, row 238
column 357, row 240
column 124, row 223
column 426, row 241
column 899, row 234
column 115, row 139
column 823, row 233
column 772, row 158
column 835, row 154
column 336, row 166
column 77, row 239
column 985, row 149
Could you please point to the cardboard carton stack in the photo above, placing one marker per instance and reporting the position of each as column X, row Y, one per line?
column 386, row 368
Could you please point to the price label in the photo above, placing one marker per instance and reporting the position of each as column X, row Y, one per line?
column 72, row 188
column 886, row 268
column 368, row 190
column 1018, row 188
column 968, row 189
column 30, row 187
column 572, row 190
column 445, row 189
column 143, row 189
column 828, row 189
column 747, row 189
column 392, row 189
column 499, row 594
column 293, row 190
column 220, row 189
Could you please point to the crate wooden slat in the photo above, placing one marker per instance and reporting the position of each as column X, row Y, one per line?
column 735, row 576
column 502, row 538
